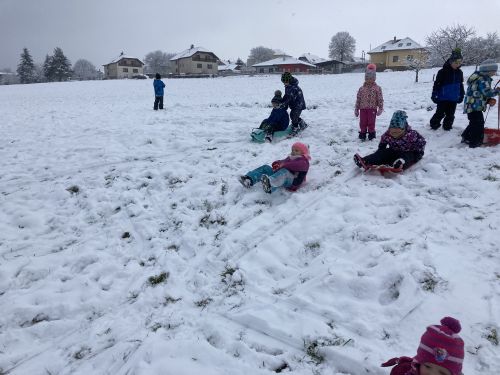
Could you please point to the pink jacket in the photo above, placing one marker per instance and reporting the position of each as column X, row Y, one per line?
column 370, row 97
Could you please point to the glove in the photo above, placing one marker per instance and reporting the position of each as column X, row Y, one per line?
column 379, row 111
column 276, row 165
column 460, row 100
column 398, row 164
column 491, row 102
column 356, row 112
column 434, row 98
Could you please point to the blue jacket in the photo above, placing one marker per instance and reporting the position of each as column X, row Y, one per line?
column 279, row 119
column 158, row 85
column 293, row 99
column 448, row 86
column 478, row 92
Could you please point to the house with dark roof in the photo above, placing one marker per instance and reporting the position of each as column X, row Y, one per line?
column 331, row 66
column 284, row 64
column 123, row 66
column 395, row 54
column 311, row 59
column 196, row 61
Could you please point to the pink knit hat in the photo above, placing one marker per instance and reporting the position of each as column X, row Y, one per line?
column 371, row 71
column 441, row 345
column 304, row 150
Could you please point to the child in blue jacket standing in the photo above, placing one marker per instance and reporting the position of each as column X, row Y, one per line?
column 158, row 86
column 293, row 99
column 448, row 90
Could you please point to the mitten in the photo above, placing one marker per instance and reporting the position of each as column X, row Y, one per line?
column 398, row 164
column 491, row 102
column 460, row 100
column 356, row 112
column 434, row 97
column 276, row 165
column 379, row 111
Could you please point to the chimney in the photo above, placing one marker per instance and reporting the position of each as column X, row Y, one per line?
column 394, row 39
column 192, row 45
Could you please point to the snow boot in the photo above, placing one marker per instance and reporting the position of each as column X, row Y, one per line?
column 362, row 136
column 372, row 135
column 245, row 181
column 266, row 184
column 358, row 160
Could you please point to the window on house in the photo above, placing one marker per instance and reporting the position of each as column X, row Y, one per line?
column 198, row 66
column 271, row 70
column 408, row 44
column 400, row 45
column 209, row 66
column 261, row 70
column 409, row 57
column 395, row 58
column 383, row 47
column 135, row 70
column 125, row 70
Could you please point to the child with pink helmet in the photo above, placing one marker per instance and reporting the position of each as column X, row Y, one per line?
column 441, row 352
column 369, row 103
column 289, row 173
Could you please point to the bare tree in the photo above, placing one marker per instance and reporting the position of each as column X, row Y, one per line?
column 259, row 54
column 84, row 70
column 342, row 47
column 159, row 62
column 418, row 61
column 444, row 40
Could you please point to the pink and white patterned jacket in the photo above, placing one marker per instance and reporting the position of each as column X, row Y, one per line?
column 370, row 97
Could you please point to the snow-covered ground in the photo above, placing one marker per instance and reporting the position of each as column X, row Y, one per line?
column 129, row 247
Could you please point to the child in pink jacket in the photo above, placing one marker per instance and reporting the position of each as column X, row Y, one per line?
column 289, row 173
column 441, row 352
column 369, row 103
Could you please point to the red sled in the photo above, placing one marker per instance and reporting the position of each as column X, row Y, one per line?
column 381, row 168
column 492, row 136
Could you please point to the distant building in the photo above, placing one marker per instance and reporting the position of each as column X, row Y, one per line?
column 196, row 61
column 331, row 66
column 284, row 64
column 311, row 59
column 395, row 53
column 123, row 67
column 8, row 78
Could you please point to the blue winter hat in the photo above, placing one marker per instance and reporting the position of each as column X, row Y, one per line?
column 488, row 65
column 398, row 120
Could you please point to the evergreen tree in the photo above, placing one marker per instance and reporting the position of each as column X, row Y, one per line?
column 48, row 70
column 26, row 68
column 61, row 66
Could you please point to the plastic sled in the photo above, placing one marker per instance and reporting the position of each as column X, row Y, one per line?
column 491, row 137
column 259, row 135
column 381, row 168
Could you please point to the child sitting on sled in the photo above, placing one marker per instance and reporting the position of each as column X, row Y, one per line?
column 289, row 173
column 441, row 352
column 400, row 146
column 278, row 120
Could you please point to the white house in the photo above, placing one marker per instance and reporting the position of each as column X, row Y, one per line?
column 123, row 67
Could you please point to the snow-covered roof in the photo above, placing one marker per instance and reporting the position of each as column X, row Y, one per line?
column 227, row 67
column 313, row 59
column 123, row 56
column 396, row 44
column 283, row 61
column 190, row 52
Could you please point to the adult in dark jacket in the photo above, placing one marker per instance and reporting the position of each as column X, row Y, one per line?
column 448, row 90
column 293, row 99
column 158, row 86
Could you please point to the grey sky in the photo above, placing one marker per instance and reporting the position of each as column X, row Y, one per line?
column 99, row 30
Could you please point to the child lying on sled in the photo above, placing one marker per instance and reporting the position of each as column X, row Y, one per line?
column 400, row 146
column 289, row 173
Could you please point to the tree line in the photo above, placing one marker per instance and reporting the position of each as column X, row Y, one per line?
column 342, row 46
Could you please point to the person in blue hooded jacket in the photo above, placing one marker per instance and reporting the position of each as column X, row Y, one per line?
column 448, row 91
column 158, row 86
column 293, row 99
column 278, row 120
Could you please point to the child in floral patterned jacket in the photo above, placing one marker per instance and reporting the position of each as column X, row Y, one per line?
column 400, row 146
column 369, row 103
column 289, row 173
column 441, row 352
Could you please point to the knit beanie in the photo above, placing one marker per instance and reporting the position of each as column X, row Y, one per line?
column 398, row 120
column 371, row 71
column 277, row 97
column 456, row 54
column 441, row 345
column 304, row 149
column 488, row 65
column 158, row 76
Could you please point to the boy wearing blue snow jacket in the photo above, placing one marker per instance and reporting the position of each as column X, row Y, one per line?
column 448, row 90
column 278, row 120
column 158, row 86
column 293, row 99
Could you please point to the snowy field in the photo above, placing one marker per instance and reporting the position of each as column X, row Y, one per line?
column 129, row 247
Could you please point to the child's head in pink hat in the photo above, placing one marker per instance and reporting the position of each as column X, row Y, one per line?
column 441, row 350
column 299, row 148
